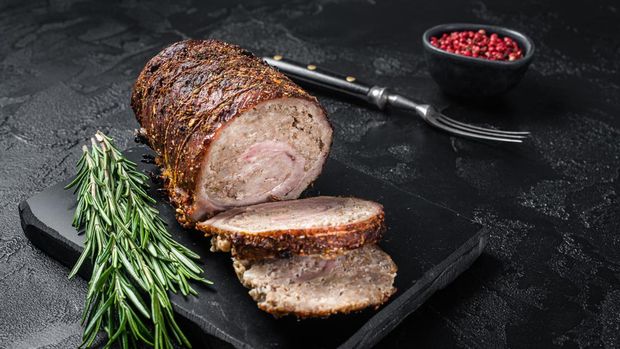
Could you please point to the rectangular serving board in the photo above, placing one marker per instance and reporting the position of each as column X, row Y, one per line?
column 430, row 244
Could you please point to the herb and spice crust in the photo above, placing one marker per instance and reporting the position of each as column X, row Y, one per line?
column 186, row 95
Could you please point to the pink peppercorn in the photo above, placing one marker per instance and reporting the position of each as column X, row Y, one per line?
column 479, row 45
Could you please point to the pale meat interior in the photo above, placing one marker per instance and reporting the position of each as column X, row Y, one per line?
column 315, row 286
column 272, row 152
column 316, row 212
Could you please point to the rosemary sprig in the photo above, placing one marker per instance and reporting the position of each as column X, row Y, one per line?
column 136, row 261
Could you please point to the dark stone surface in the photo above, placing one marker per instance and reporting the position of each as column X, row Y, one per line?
column 428, row 259
column 551, row 272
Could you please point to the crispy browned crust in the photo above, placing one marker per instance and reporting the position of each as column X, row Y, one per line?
column 284, row 243
column 188, row 92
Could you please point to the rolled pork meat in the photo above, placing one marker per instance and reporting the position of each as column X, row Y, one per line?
column 229, row 130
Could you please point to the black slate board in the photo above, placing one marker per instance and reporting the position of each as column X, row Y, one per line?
column 430, row 244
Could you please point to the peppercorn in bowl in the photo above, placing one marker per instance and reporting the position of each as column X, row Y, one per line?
column 476, row 60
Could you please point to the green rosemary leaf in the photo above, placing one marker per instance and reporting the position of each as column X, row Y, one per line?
column 135, row 299
column 130, row 269
column 103, row 278
column 158, row 272
column 185, row 261
column 79, row 263
column 95, row 318
column 121, row 327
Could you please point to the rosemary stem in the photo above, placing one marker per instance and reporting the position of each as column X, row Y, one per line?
column 122, row 229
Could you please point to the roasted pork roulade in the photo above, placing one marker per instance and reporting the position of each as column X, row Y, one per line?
column 229, row 129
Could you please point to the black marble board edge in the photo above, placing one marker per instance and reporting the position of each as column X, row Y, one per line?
column 67, row 252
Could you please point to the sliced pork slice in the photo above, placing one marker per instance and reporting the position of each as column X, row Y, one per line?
column 229, row 129
column 312, row 286
column 318, row 225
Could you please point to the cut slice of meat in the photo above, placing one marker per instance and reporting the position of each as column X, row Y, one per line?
column 318, row 225
column 312, row 286
column 229, row 129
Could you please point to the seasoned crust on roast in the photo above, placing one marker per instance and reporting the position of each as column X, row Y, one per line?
column 187, row 93
column 251, row 233
column 284, row 243
column 312, row 286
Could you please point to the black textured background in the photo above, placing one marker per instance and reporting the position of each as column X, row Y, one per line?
column 551, row 272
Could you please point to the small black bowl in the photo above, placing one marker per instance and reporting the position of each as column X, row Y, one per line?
column 475, row 77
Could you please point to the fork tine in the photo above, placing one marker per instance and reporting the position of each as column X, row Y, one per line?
column 463, row 133
column 434, row 118
column 478, row 128
column 450, row 122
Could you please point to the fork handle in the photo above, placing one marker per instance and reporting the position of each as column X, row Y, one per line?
column 314, row 76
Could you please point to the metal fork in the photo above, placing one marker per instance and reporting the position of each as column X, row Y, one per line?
column 382, row 98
